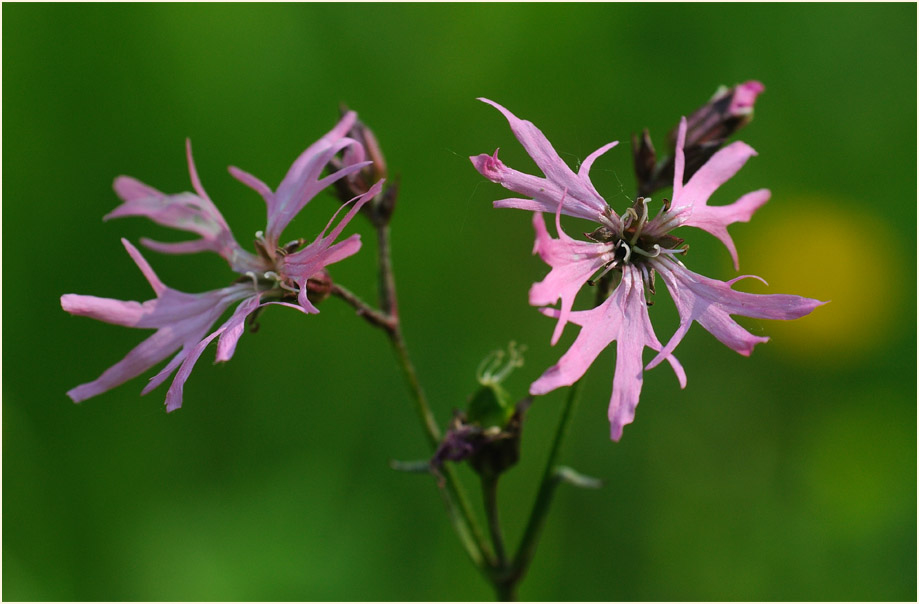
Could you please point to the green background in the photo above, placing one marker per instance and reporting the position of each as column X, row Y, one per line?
column 789, row 475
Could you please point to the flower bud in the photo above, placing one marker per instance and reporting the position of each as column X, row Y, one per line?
column 361, row 181
column 729, row 110
column 381, row 208
column 377, row 170
column 644, row 157
column 489, row 450
column 488, row 433
column 319, row 286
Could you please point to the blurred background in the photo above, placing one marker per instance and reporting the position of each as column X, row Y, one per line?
column 790, row 475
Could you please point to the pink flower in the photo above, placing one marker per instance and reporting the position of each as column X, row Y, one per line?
column 275, row 274
column 634, row 247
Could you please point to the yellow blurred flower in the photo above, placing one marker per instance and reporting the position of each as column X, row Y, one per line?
column 828, row 250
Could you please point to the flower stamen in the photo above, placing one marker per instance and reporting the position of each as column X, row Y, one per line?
column 252, row 276
column 641, row 221
column 609, row 267
column 654, row 254
column 622, row 252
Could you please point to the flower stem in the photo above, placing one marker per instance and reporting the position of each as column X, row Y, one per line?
column 432, row 431
column 387, row 279
column 464, row 522
column 370, row 314
column 490, row 498
column 547, row 487
column 387, row 318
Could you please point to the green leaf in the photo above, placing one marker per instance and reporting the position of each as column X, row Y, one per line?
column 421, row 466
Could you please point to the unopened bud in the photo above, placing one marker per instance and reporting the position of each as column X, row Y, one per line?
column 381, row 208
column 729, row 110
column 488, row 434
column 385, row 203
column 361, row 181
column 490, row 450
column 319, row 286
column 644, row 157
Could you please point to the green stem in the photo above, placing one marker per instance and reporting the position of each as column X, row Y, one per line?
column 370, row 314
column 506, row 591
column 411, row 377
column 387, row 278
column 461, row 527
column 544, row 495
column 490, row 497
column 458, row 507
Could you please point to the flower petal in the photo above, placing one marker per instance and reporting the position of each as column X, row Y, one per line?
column 166, row 371
column 141, row 358
column 679, row 160
column 715, row 219
column 234, row 325
column 711, row 303
column 573, row 263
column 690, row 207
column 180, row 320
column 305, row 263
column 560, row 183
column 233, row 328
column 623, row 317
column 335, row 134
column 718, row 170
column 302, row 182
column 116, row 312
column 184, row 211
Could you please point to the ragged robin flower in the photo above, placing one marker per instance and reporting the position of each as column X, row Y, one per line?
column 286, row 274
column 633, row 248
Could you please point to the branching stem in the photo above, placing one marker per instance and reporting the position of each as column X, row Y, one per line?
column 387, row 319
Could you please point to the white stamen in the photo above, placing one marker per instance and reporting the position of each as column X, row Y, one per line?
column 673, row 252
column 515, row 359
column 608, row 268
column 488, row 365
column 642, row 220
column 491, row 371
column 628, row 217
column 654, row 254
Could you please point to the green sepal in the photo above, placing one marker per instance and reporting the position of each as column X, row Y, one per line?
column 491, row 406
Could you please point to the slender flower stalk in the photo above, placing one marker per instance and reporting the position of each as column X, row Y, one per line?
column 547, row 485
column 387, row 318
